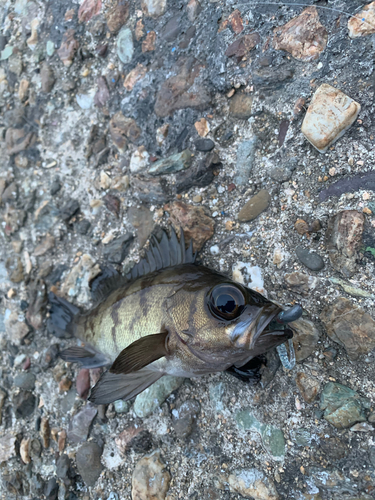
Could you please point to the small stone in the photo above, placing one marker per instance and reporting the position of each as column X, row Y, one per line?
column 117, row 15
column 301, row 226
column 139, row 160
column 80, row 424
column 88, row 462
column 135, row 75
column 63, row 466
column 329, row 115
column 47, row 244
column 125, row 47
column 154, row 8
column 352, row 290
column 245, row 160
column 184, row 416
column 25, row 450
column 122, row 130
column 299, row 282
column 252, row 483
column 304, row 36
column 342, row 405
column 7, row 447
column 21, row 161
column 240, row 106
column 197, row 198
column 15, row 329
column 102, row 95
column 309, row 259
column 121, row 406
column 202, row 127
column 362, row 427
column 309, row 386
column 83, row 383
column 204, row 145
column 6, row 53
column 350, row 326
column 45, row 431
column 85, row 101
column 255, row 206
column 65, row 384
column 116, row 251
column 305, row 338
column 55, row 187
column 142, row 219
column 177, row 93
column 18, row 140
column 193, row 8
column 148, row 44
column 50, row 48
column 68, row 48
column 363, row 23
column 24, row 404
column 242, row 46
column 69, row 210
column 134, row 438
column 150, row 399
column 88, row 9
column 23, row 90
column 150, row 478
column 344, row 239
column 172, row 164
column 25, row 381
column 139, row 30
column 33, row 39
column 194, row 221
column 47, row 78
column 272, row 437
column 15, row 269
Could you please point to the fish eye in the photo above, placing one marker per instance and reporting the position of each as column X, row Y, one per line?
column 226, row 301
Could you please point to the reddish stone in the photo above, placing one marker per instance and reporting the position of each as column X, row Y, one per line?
column 148, row 44
column 231, row 187
column 89, row 9
column 68, row 47
column 117, row 16
column 83, row 383
column 194, row 221
column 242, row 46
column 175, row 92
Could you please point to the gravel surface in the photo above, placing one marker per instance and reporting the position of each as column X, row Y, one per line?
column 117, row 117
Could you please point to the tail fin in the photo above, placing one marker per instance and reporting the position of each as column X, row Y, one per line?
column 62, row 317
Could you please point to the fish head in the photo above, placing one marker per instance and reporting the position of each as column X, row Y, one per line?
column 221, row 322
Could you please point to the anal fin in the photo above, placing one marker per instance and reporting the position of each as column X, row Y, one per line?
column 88, row 359
column 112, row 386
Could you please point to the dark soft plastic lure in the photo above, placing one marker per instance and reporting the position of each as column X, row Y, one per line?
column 168, row 316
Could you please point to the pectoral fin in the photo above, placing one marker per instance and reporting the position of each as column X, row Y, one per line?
column 113, row 386
column 140, row 353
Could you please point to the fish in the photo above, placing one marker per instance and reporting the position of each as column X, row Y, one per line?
column 168, row 316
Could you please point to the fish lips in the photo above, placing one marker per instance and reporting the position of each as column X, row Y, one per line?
column 252, row 324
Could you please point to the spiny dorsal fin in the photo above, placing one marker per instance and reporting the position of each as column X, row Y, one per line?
column 140, row 353
column 161, row 253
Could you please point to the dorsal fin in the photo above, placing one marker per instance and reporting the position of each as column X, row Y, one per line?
column 161, row 253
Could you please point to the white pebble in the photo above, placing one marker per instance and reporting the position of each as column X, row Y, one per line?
column 215, row 250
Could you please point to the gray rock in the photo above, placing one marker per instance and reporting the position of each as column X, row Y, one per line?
column 69, row 209
column 240, row 106
column 125, row 47
column 183, row 417
column 245, row 160
column 172, row 164
column 24, row 404
column 309, row 259
column 51, row 489
column 88, row 462
column 342, row 406
column 121, row 406
column 272, row 437
column 116, row 251
column 63, row 465
column 204, row 144
column 79, row 426
column 25, row 381
column 150, row 399
column 305, row 338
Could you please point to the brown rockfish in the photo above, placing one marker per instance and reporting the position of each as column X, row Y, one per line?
column 168, row 316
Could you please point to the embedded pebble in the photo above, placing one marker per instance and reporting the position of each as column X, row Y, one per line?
column 255, row 206
column 328, row 117
column 88, row 462
column 309, row 259
column 125, row 47
column 150, row 478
